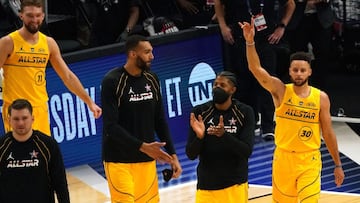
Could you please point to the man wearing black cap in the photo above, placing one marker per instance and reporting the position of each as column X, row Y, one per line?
column 222, row 136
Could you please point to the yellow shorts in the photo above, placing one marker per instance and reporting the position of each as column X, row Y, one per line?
column 132, row 182
column 232, row 194
column 296, row 176
column 41, row 118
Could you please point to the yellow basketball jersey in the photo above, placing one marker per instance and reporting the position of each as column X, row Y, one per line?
column 24, row 71
column 297, row 121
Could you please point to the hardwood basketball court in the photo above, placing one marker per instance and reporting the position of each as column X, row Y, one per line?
column 185, row 193
column 88, row 186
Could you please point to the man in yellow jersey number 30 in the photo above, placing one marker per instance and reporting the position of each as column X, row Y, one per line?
column 302, row 116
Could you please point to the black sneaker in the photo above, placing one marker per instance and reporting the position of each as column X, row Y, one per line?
column 268, row 136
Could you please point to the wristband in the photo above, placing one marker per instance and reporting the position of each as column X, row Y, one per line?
column 338, row 166
column 250, row 44
column 282, row 25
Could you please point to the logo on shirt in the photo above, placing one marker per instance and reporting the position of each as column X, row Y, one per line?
column 131, row 91
column 311, row 104
column 148, row 88
column 32, row 59
column 232, row 121
column 34, row 154
column 211, row 121
column 33, row 161
column 10, row 157
column 231, row 128
column 289, row 101
column 147, row 95
column 300, row 114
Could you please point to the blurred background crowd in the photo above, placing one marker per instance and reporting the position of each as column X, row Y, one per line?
column 80, row 24
column 330, row 29
column 91, row 23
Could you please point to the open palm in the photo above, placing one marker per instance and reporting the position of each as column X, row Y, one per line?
column 198, row 126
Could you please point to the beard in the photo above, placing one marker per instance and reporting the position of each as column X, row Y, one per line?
column 299, row 82
column 22, row 131
column 32, row 28
column 142, row 64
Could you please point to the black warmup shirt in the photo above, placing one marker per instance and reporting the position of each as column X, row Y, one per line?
column 223, row 161
column 132, row 114
column 32, row 171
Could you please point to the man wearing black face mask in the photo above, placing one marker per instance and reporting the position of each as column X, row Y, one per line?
column 222, row 136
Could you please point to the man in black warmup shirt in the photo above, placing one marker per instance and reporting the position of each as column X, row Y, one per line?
column 31, row 164
column 222, row 136
column 133, row 113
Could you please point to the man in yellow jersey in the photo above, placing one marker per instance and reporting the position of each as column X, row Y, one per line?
column 302, row 116
column 24, row 55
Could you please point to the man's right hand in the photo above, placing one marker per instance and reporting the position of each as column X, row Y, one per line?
column 154, row 151
column 248, row 30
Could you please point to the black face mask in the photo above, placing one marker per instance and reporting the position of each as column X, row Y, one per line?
column 219, row 95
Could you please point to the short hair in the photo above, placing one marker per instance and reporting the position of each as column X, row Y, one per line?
column 20, row 104
column 229, row 75
column 301, row 56
column 132, row 41
column 37, row 3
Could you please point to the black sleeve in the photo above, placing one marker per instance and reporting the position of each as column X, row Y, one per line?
column 109, row 102
column 57, row 173
column 194, row 144
column 242, row 144
column 161, row 125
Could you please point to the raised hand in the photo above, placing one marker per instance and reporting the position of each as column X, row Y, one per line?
column 248, row 30
column 218, row 130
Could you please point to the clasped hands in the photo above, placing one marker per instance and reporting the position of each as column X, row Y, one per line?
column 198, row 126
column 216, row 130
